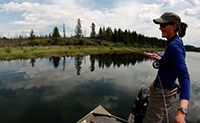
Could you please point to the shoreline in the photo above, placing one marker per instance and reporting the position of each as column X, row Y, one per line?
column 59, row 51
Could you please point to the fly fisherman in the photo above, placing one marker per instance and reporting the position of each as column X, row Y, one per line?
column 172, row 66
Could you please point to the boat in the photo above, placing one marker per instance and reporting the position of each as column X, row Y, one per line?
column 101, row 115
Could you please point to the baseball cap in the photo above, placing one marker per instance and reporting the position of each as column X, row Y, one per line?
column 168, row 17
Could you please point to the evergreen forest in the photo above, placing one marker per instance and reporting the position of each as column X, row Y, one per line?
column 105, row 36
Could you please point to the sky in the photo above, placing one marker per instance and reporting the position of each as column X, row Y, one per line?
column 18, row 17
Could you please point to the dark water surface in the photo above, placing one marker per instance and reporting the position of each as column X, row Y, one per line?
column 63, row 90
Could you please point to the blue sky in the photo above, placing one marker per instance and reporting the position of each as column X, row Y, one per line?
column 18, row 17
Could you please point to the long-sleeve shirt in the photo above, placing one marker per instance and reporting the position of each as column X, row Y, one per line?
column 173, row 66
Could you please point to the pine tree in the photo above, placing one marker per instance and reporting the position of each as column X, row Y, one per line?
column 104, row 33
column 108, row 34
column 120, row 34
column 115, row 36
column 56, row 33
column 78, row 30
column 32, row 35
column 125, row 37
column 55, row 36
column 100, row 35
column 93, row 33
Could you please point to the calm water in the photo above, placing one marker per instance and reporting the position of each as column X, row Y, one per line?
column 63, row 90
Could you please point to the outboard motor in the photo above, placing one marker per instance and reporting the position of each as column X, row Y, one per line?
column 140, row 106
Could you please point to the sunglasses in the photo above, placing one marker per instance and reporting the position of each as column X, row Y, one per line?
column 163, row 25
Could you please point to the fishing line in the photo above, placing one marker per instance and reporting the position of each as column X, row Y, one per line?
column 164, row 100
column 155, row 64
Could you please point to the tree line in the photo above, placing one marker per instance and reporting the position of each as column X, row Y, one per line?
column 102, row 36
column 192, row 48
column 119, row 36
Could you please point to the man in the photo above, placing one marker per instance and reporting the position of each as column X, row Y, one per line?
column 172, row 66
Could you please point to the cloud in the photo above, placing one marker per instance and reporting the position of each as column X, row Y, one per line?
column 127, row 14
column 45, row 15
column 148, row 12
column 193, row 2
column 169, row 3
column 193, row 12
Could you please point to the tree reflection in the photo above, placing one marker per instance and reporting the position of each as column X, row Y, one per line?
column 55, row 61
column 106, row 60
column 64, row 59
column 33, row 62
column 92, row 61
column 103, row 60
column 78, row 63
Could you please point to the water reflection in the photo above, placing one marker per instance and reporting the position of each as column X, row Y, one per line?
column 103, row 60
column 78, row 63
column 55, row 61
column 63, row 89
column 108, row 60
column 33, row 62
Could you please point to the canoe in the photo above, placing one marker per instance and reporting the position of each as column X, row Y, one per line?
column 101, row 115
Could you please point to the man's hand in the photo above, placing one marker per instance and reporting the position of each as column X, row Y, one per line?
column 153, row 56
column 180, row 117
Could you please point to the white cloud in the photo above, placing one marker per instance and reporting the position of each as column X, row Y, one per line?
column 193, row 12
column 148, row 12
column 127, row 14
column 193, row 2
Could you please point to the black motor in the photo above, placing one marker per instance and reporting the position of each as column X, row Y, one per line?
column 140, row 106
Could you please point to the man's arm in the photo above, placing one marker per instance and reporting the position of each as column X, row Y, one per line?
column 180, row 116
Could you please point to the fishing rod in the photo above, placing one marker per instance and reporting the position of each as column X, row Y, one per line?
column 155, row 64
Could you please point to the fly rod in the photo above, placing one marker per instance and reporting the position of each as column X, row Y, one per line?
column 155, row 64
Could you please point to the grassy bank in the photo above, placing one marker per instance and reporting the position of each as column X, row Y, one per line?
column 49, row 51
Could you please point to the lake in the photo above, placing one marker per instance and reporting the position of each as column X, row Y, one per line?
column 64, row 89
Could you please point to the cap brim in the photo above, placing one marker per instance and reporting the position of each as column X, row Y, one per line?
column 159, row 21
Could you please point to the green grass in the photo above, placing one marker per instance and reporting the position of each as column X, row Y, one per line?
column 48, row 51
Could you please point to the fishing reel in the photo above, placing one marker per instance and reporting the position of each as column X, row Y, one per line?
column 156, row 64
